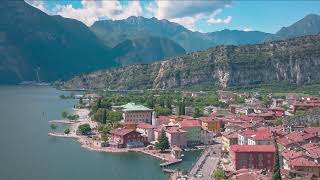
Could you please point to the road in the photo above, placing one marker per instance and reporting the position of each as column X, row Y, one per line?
column 208, row 161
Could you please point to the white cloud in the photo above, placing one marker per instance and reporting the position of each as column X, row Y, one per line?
column 214, row 20
column 37, row 4
column 179, row 9
column 247, row 29
column 92, row 11
column 188, row 13
column 184, row 12
column 188, row 22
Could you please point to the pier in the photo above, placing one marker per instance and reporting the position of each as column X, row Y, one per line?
column 64, row 121
column 168, row 163
column 53, row 134
column 169, row 170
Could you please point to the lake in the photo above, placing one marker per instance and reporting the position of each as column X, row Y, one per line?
column 28, row 153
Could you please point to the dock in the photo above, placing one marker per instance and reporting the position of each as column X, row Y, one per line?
column 64, row 121
column 168, row 163
column 169, row 170
column 53, row 134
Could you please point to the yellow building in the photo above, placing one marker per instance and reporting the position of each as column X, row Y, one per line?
column 210, row 124
column 228, row 139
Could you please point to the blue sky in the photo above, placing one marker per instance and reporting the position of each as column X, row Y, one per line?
column 203, row 16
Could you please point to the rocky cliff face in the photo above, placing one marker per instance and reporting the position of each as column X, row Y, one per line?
column 295, row 61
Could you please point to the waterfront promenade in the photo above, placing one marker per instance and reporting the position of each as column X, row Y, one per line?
column 207, row 162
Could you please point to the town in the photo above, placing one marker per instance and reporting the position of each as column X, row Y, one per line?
column 242, row 135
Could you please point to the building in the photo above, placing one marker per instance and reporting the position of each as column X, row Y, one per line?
column 193, row 129
column 146, row 130
column 175, row 135
column 161, row 120
column 305, row 165
column 136, row 113
column 206, row 137
column 252, row 157
column 255, row 137
column 288, row 155
column 210, row 124
column 228, row 139
column 121, row 138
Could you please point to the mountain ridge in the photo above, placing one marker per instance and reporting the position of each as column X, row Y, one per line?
column 294, row 61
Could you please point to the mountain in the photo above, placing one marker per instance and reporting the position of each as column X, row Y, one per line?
column 115, row 32
column 309, row 25
column 295, row 61
column 56, row 47
column 236, row 37
column 146, row 50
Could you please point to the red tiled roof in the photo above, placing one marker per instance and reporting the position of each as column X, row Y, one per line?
column 127, row 123
column 163, row 118
column 290, row 154
column 306, row 104
column 314, row 152
column 170, row 129
column 303, row 162
column 262, row 136
column 143, row 125
column 310, row 145
column 312, row 130
column 277, row 109
column 253, row 148
column 230, row 135
column 173, row 130
column 121, row 132
column 189, row 123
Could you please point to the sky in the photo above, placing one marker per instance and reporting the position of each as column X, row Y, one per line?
column 203, row 16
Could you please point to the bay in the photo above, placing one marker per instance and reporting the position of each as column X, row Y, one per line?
column 26, row 152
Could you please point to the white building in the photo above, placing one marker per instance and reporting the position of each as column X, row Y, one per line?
column 135, row 113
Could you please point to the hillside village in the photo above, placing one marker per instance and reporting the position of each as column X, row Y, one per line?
column 242, row 134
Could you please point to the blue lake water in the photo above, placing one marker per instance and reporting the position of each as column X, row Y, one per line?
column 27, row 153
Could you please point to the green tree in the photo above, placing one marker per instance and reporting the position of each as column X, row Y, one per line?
column 73, row 117
column 276, row 175
column 84, row 129
column 104, row 137
column 99, row 103
column 163, row 142
column 150, row 102
column 197, row 112
column 162, row 102
column 67, row 131
column 169, row 104
column 98, row 115
column 266, row 101
column 104, row 117
column 64, row 114
column 239, row 100
column 218, row 174
column 160, row 111
column 53, row 126
column 80, row 100
column 182, row 108
column 114, row 116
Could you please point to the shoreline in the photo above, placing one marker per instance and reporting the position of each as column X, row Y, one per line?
column 89, row 144
column 84, row 144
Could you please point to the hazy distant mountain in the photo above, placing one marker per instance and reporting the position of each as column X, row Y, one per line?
column 146, row 50
column 115, row 32
column 58, row 47
column 236, row 37
column 309, row 25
